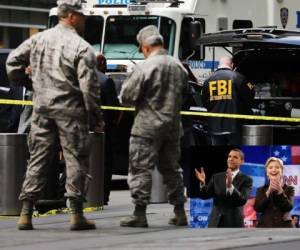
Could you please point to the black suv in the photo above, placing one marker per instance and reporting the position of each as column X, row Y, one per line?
column 269, row 58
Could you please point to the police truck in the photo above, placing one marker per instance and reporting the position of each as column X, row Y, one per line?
column 112, row 26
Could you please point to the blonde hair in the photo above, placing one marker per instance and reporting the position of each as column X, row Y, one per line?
column 271, row 159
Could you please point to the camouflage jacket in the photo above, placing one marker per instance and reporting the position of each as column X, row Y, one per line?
column 155, row 88
column 63, row 76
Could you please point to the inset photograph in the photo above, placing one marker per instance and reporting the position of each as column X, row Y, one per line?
column 246, row 186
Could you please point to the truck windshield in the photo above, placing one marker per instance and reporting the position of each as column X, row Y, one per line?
column 93, row 30
column 120, row 35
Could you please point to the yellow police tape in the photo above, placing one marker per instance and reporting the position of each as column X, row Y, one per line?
column 189, row 113
column 67, row 211
column 55, row 211
column 15, row 102
column 2, row 217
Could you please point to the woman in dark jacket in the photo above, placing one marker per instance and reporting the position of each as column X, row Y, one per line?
column 275, row 200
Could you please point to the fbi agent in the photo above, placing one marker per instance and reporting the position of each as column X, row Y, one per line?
column 227, row 91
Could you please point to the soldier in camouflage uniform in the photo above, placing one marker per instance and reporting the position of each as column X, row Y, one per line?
column 155, row 89
column 66, row 94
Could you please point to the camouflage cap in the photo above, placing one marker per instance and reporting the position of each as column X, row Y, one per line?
column 149, row 35
column 74, row 5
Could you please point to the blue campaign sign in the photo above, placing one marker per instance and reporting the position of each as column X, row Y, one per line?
column 113, row 2
column 199, row 212
column 199, row 220
column 298, row 19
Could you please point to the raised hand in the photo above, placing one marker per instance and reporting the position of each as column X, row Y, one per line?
column 200, row 175
column 228, row 178
column 28, row 70
column 277, row 185
column 99, row 127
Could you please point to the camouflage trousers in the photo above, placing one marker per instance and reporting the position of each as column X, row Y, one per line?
column 45, row 135
column 144, row 155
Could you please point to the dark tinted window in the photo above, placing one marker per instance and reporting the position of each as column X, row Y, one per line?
column 93, row 29
column 168, row 31
column 9, row 114
column 242, row 24
column 53, row 20
column 3, row 76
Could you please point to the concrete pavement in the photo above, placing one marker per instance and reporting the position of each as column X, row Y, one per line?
column 52, row 232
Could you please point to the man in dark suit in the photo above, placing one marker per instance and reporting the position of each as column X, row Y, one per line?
column 229, row 191
column 111, row 118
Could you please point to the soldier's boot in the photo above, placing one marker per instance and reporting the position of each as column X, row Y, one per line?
column 78, row 221
column 180, row 218
column 138, row 219
column 25, row 219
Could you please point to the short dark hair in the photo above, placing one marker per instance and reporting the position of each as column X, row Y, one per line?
column 242, row 155
column 101, row 62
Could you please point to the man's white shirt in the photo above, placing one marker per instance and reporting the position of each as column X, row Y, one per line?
column 230, row 189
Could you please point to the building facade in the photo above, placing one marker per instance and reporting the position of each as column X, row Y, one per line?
column 20, row 19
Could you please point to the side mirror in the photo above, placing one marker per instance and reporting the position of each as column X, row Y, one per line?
column 195, row 32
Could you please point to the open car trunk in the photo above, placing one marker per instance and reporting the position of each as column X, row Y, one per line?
column 276, row 76
column 269, row 58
